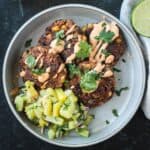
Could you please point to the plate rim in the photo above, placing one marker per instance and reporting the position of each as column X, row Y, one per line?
column 124, row 123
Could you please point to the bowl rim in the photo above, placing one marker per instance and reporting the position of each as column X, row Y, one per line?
column 125, row 122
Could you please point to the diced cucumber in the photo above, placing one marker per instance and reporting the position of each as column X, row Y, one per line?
column 72, row 125
column 83, row 132
column 19, row 102
column 30, row 114
column 73, row 98
column 38, row 112
column 52, row 132
column 59, row 133
column 68, row 108
column 76, row 116
column 68, row 92
column 48, row 92
column 88, row 119
column 71, row 95
column 55, row 120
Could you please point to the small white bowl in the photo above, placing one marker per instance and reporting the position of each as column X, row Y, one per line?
column 132, row 75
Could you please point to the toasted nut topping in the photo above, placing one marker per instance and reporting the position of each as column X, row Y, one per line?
column 42, row 78
column 109, row 59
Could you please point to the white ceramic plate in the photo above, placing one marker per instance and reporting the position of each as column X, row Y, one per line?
column 132, row 75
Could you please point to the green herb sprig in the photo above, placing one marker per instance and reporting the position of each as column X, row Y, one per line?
column 105, row 36
column 88, row 81
column 84, row 51
column 73, row 70
column 28, row 43
column 59, row 35
column 116, row 69
column 30, row 61
column 115, row 112
column 118, row 92
column 105, row 52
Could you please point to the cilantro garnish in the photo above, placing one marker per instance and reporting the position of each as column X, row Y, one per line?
column 105, row 52
column 84, row 51
column 38, row 71
column 107, row 122
column 115, row 112
column 30, row 61
column 116, row 69
column 60, row 35
column 105, row 36
column 88, row 81
column 73, row 70
column 118, row 92
column 123, row 60
column 28, row 43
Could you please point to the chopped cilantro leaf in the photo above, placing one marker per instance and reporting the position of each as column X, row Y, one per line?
column 88, row 81
column 60, row 34
column 105, row 36
column 30, row 61
column 105, row 52
column 73, row 70
column 116, row 69
column 28, row 43
column 38, row 71
column 115, row 112
column 84, row 51
column 118, row 92
column 107, row 122
column 123, row 60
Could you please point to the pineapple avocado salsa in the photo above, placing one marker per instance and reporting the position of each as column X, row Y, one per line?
column 69, row 71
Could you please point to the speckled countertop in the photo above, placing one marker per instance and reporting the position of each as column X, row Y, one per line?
column 13, row 13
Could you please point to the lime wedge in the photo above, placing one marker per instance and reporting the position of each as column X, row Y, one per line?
column 140, row 18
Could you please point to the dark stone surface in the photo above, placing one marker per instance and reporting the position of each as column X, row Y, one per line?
column 13, row 13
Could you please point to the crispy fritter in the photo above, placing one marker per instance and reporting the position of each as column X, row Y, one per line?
column 47, row 62
column 70, row 39
column 116, row 48
column 101, row 95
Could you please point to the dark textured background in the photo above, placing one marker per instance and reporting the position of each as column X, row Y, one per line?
column 13, row 13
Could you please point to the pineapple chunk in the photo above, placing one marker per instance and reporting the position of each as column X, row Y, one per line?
column 43, row 123
column 47, row 104
column 56, row 109
column 60, row 95
column 31, row 91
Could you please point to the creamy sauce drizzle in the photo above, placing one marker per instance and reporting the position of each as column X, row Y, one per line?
column 97, row 28
column 97, row 54
column 71, row 29
column 73, row 56
column 57, row 47
column 61, row 67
